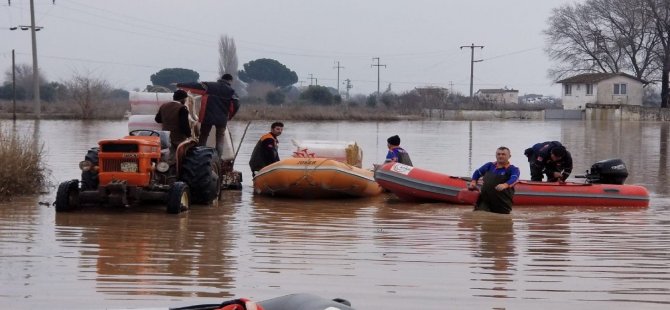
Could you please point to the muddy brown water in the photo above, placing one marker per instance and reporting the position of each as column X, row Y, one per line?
column 377, row 252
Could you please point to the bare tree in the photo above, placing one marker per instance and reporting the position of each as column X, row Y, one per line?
column 601, row 36
column 228, row 60
column 660, row 10
column 24, row 78
column 87, row 92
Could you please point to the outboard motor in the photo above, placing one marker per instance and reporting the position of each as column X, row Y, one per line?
column 609, row 171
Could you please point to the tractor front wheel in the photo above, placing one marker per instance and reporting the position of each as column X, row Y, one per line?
column 179, row 198
column 67, row 196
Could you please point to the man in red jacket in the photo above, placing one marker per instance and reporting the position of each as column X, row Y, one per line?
column 219, row 104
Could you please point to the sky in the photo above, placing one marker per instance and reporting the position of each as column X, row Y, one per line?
column 418, row 41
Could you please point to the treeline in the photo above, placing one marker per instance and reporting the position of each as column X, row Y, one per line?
column 82, row 96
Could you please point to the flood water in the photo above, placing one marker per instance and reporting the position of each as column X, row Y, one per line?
column 378, row 253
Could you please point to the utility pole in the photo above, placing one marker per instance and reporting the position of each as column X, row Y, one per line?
column 36, row 77
column 377, row 65
column 451, row 87
column 338, row 67
column 311, row 79
column 348, row 86
column 472, row 62
column 13, row 86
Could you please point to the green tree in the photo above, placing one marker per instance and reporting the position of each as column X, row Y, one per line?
column 268, row 70
column 275, row 97
column 167, row 76
column 317, row 94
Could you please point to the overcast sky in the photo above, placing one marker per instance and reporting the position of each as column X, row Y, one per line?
column 125, row 41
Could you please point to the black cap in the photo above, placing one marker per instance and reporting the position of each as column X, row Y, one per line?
column 227, row 77
column 394, row 140
column 179, row 95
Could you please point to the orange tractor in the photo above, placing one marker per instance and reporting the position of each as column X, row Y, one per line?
column 139, row 167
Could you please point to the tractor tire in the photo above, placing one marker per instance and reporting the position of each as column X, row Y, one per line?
column 67, row 196
column 89, row 179
column 179, row 198
column 200, row 170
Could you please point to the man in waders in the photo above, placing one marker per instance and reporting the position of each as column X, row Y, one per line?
column 497, row 188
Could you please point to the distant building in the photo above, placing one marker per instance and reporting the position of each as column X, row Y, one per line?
column 531, row 98
column 432, row 91
column 502, row 95
column 601, row 88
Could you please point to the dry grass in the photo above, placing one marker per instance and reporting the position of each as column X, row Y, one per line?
column 22, row 167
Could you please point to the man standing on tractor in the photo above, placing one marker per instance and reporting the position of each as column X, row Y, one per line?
column 219, row 104
column 173, row 116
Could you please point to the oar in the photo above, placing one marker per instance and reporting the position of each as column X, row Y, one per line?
column 241, row 139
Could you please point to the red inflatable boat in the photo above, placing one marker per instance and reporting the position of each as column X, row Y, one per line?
column 415, row 184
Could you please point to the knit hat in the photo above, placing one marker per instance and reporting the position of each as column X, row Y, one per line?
column 394, row 140
column 179, row 95
column 227, row 77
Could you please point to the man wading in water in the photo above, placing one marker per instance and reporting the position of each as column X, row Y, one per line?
column 497, row 189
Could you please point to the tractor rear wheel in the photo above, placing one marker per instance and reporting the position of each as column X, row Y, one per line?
column 67, row 196
column 200, row 169
column 179, row 198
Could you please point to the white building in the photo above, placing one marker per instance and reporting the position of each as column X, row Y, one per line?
column 501, row 95
column 601, row 88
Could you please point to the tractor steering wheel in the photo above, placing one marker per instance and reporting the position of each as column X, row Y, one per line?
column 138, row 132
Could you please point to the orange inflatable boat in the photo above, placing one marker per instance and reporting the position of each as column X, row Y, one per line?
column 415, row 184
column 315, row 178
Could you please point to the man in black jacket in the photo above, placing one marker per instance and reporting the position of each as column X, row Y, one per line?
column 219, row 104
column 266, row 150
column 550, row 158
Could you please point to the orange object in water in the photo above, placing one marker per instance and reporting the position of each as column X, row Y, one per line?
column 315, row 178
column 415, row 184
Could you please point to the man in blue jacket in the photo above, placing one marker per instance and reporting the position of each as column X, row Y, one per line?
column 219, row 104
column 497, row 188
column 396, row 153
